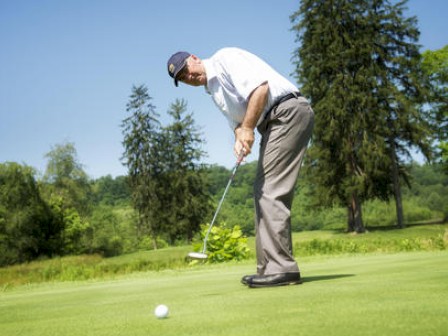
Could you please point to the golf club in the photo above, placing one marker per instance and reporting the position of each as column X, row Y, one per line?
column 202, row 254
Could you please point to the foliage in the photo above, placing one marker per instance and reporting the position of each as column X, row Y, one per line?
column 28, row 228
column 111, row 191
column 224, row 244
column 64, row 177
column 66, row 188
column 435, row 65
column 429, row 188
column 105, row 234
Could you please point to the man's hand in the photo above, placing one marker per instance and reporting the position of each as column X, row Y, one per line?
column 244, row 139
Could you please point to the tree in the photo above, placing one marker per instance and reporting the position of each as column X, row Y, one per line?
column 106, row 235
column 402, row 93
column 435, row 66
column 65, row 177
column 167, row 181
column 112, row 191
column 188, row 199
column 143, row 157
column 358, row 62
column 27, row 226
column 67, row 189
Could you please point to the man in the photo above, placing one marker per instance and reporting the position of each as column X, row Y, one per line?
column 253, row 95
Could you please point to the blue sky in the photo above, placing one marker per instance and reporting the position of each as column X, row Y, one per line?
column 67, row 67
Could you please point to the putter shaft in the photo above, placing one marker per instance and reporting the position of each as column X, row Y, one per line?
column 237, row 164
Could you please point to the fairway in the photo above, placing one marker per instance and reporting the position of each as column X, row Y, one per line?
column 376, row 294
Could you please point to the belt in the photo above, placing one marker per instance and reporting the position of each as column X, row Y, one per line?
column 285, row 98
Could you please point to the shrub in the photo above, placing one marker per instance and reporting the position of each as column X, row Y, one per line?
column 224, row 244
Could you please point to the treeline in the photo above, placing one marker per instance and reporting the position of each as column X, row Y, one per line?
column 59, row 214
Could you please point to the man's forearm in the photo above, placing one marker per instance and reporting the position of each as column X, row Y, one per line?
column 244, row 133
column 255, row 106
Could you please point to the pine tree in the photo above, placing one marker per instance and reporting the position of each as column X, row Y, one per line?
column 402, row 91
column 358, row 63
column 167, row 181
column 188, row 197
column 142, row 156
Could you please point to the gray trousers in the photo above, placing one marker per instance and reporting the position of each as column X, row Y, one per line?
column 285, row 134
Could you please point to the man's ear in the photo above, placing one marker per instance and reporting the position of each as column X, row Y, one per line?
column 195, row 58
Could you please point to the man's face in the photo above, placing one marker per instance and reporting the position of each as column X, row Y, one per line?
column 193, row 72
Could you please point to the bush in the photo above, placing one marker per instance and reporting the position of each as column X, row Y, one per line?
column 224, row 244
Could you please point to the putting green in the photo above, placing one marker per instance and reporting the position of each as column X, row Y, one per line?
column 375, row 294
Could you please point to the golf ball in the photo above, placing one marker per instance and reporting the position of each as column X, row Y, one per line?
column 161, row 311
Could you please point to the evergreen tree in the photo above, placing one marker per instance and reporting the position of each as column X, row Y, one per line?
column 188, row 197
column 143, row 158
column 402, row 91
column 358, row 62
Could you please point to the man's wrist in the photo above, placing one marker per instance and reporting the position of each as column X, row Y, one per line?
column 244, row 128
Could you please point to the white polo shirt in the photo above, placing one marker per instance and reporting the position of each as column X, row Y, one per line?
column 233, row 74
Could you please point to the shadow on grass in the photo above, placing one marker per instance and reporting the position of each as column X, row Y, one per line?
column 325, row 277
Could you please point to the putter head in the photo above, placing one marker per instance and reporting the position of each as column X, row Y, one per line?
column 197, row 255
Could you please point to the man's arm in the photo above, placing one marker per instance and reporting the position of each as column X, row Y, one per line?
column 244, row 133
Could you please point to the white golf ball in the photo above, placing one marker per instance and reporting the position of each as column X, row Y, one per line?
column 161, row 311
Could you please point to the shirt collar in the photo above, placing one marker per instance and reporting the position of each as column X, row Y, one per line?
column 210, row 72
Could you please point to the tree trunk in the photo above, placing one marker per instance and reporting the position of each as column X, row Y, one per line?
column 154, row 244
column 350, row 219
column 355, row 223
column 397, row 188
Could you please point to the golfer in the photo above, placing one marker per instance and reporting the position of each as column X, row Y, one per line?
column 251, row 94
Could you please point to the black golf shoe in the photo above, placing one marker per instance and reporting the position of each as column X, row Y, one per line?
column 245, row 280
column 272, row 280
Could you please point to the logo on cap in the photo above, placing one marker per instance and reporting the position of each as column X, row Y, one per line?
column 172, row 68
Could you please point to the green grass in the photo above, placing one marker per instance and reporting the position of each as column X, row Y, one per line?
column 416, row 238
column 368, row 294
column 89, row 267
column 311, row 243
